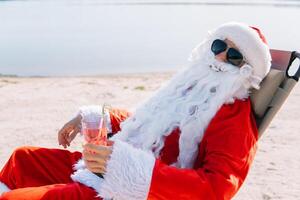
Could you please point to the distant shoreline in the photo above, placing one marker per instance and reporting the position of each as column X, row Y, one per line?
column 206, row 3
column 8, row 75
column 128, row 74
column 282, row 3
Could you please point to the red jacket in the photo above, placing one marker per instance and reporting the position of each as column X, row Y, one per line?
column 225, row 155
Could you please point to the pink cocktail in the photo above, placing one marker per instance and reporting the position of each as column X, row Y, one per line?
column 95, row 132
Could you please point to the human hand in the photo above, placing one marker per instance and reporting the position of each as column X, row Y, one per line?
column 69, row 131
column 96, row 156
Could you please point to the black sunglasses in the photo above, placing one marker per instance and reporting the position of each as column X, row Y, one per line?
column 233, row 56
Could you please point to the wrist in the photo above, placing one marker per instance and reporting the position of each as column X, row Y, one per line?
column 77, row 121
column 78, row 118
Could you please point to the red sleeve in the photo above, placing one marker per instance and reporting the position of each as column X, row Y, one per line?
column 116, row 117
column 228, row 148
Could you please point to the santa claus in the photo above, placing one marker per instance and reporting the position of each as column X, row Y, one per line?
column 195, row 138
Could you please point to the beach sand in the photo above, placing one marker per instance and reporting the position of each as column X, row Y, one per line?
column 32, row 110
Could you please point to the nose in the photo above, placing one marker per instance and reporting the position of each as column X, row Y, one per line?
column 221, row 56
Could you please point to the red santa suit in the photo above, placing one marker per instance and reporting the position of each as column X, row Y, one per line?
column 195, row 139
column 225, row 155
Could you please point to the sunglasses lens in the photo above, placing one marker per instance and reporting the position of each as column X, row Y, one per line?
column 234, row 57
column 218, row 46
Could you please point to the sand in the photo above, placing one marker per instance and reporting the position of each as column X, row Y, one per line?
column 32, row 110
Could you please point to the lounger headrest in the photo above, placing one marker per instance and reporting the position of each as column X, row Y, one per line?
column 261, row 98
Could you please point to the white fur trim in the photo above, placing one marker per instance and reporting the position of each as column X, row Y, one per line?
column 93, row 113
column 3, row 188
column 86, row 177
column 129, row 173
column 79, row 165
column 256, row 53
column 196, row 94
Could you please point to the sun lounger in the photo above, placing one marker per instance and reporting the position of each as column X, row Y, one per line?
column 276, row 87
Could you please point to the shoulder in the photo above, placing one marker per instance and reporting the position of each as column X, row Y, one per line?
column 235, row 118
column 239, row 107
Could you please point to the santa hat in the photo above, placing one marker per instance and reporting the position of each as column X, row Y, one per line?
column 250, row 42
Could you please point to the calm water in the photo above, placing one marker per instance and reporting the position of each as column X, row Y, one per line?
column 98, row 37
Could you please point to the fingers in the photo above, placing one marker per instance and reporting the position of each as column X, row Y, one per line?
column 100, row 149
column 66, row 136
column 71, row 137
column 96, row 169
column 110, row 143
column 61, row 138
column 100, row 158
column 95, row 162
column 69, row 131
column 63, row 135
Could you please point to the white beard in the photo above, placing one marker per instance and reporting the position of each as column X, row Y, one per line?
column 189, row 101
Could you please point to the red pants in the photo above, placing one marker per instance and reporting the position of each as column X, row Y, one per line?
column 38, row 173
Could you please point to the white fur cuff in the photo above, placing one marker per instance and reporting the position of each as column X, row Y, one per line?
column 86, row 177
column 129, row 173
column 3, row 188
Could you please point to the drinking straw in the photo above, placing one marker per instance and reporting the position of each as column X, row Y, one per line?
column 102, row 135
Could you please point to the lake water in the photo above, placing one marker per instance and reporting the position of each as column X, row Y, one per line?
column 57, row 38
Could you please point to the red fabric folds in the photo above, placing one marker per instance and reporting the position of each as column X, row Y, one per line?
column 116, row 117
column 225, row 154
column 224, row 157
column 40, row 174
